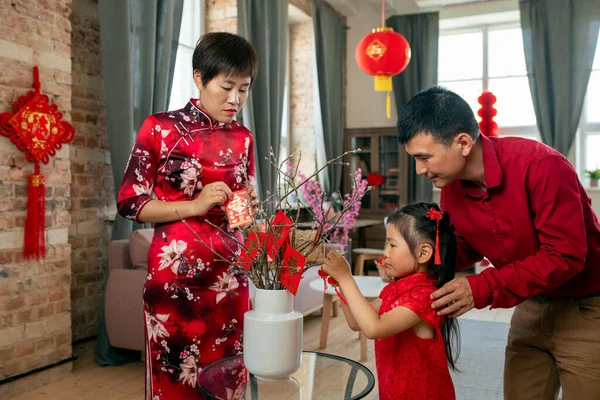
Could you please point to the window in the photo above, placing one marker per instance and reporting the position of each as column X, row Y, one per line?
column 183, row 87
column 491, row 58
column 590, row 121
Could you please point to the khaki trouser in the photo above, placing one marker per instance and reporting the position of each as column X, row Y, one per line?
column 554, row 343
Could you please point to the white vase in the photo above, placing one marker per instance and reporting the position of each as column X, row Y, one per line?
column 272, row 336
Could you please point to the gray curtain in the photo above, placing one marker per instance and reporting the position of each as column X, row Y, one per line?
column 264, row 23
column 330, row 43
column 139, row 44
column 559, row 38
column 422, row 33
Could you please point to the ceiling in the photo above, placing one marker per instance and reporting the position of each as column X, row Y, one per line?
column 352, row 7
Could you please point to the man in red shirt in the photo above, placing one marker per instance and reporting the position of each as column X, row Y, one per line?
column 520, row 204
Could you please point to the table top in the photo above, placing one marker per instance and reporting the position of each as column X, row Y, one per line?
column 369, row 286
column 360, row 223
column 320, row 377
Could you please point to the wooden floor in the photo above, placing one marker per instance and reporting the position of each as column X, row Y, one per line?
column 90, row 382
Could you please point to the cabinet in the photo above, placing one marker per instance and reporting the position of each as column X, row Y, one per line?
column 383, row 154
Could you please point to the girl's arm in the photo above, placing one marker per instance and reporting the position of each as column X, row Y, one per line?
column 368, row 320
column 375, row 304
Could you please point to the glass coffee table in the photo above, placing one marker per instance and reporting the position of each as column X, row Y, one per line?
column 320, row 377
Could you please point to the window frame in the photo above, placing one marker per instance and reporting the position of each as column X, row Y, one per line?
column 526, row 131
column 587, row 129
column 189, row 43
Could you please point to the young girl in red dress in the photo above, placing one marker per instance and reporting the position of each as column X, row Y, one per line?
column 413, row 345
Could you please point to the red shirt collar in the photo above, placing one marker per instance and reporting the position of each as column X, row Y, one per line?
column 491, row 167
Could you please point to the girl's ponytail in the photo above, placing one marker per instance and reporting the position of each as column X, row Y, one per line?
column 444, row 274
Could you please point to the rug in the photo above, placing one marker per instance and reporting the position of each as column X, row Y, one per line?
column 481, row 360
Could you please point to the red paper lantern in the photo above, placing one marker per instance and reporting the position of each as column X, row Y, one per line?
column 487, row 112
column 383, row 54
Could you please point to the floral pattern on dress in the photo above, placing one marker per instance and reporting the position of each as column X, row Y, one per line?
column 194, row 307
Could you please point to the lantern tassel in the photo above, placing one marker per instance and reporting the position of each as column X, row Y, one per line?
column 35, row 223
column 388, row 106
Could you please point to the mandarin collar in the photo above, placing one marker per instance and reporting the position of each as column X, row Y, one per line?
column 199, row 116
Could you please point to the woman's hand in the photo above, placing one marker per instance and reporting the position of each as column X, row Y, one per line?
column 336, row 266
column 212, row 195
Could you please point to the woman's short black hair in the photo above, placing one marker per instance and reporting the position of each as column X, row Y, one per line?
column 223, row 52
column 439, row 112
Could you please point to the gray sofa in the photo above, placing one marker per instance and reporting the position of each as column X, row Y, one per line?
column 127, row 261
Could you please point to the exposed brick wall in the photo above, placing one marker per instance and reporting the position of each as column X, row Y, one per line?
column 92, row 191
column 221, row 15
column 302, row 118
column 35, row 319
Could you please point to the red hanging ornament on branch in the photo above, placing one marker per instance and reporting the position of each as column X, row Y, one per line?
column 487, row 112
column 383, row 54
column 35, row 127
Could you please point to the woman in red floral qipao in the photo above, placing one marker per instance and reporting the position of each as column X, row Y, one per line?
column 413, row 346
column 192, row 159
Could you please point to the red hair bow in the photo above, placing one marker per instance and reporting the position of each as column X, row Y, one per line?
column 436, row 216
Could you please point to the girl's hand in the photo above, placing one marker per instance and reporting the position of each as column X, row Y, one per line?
column 336, row 266
column 211, row 195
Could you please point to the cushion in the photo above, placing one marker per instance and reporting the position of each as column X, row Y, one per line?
column 139, row 244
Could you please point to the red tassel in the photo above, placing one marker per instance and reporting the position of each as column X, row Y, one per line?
column 35, row 223
column 438, row 259
column 436, row 215
column 339, row 295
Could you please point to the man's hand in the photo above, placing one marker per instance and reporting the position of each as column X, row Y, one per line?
column 454, row 298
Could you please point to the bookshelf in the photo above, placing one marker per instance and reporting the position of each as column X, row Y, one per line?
column 381, row 153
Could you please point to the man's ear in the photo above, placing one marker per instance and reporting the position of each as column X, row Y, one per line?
column 425, row 253
column 465, row 142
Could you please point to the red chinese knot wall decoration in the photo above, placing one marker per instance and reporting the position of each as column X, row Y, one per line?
column 36, row 128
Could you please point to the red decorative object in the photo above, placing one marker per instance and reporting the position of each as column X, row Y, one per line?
column 277, row 242
column 436, row 216
column 487, row 112
column 35, row 127
column 383, row 53
column 334, row 284
column 238, row 210
column 375, row 179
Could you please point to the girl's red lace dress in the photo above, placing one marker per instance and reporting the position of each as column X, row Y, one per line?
column 409, row 367
column 194, row 309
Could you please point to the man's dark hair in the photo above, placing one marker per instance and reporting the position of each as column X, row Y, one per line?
column 222, row 52
column 439, row 112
